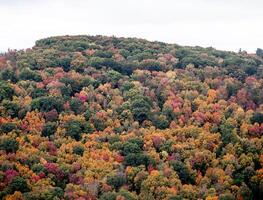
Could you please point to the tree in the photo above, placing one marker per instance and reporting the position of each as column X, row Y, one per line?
column 127, row 195
column 95, row 117
column 8, row 74
column 16, row 196
column 152, row 66
column 257, row 118
column 245, row 192
column 49, row 129
column 64, row 62
column 9, row 145
column 75, row 85
column 38, row 92
column 78, row 63
column 27, row 74
column 226, row 196
column 108, row 196
column 99, row 123
column 66, row 91
column 87, row 114
column 6, row 91
column 160, row 122
column 259, row 52
column 11, row 108
column 116, row 180
column 133, row 159
column 228, row 133
column 51, row 115
column 74, row 129
column 137, row 140
column 76, row 105
column 183, row 172
column 79, row 150
column 103, row 54
column 156, row 186
column 114, row 77
column 19, row 184
column 140, row 108
column 129, row 147
column 47, row 103
column 7, row 127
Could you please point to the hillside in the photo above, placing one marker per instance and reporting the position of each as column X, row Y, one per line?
column 95, row 117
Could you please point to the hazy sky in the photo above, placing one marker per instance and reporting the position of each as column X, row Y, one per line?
column 223, row 24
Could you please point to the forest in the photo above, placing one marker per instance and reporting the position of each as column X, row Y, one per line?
column 96, row 117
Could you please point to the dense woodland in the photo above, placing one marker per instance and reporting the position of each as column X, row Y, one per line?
column 94, row 117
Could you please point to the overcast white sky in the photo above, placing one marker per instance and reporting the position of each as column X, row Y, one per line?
column 223, row 24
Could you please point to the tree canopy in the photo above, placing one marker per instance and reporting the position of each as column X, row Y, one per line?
column 96, row 117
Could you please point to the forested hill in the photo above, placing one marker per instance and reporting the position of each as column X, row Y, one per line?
column 127, row 54
column 95, row 117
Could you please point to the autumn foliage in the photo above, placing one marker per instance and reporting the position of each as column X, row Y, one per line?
column 94, row 117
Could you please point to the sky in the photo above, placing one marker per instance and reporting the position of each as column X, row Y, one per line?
column 222, row 24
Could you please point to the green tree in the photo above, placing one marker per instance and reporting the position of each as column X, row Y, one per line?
column 133, row 159
column 27, row 74
column 6, row 91
column 228, row 132
column 76, row 105
column 79, row 150
column 140, row 108
column 108, row 196
column 19, row 184
column 49, row 129
column 160, row 121
column 8, row 74
column 183, row 172
column 9, row 145
column 259, row 52
column 257, row 118
column 74, row 129
column 87, row 114
column 99, row 124
column 7, row 127
column 116, row 180
column 38, row 92
column 45, row 104
column 11, row 108
column 137, row 140
column 129, row 147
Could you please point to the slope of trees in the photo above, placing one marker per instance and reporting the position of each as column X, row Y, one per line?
column 94, row 117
